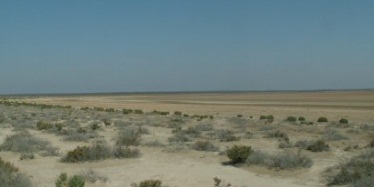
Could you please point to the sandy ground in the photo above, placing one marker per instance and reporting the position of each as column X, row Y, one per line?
column 194, row 168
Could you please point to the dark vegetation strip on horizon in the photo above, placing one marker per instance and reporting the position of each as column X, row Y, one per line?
column 36, row 95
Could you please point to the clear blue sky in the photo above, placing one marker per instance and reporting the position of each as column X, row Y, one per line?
column 50, row 46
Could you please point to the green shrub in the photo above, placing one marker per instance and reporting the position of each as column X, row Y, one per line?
column 322, row 120
column 318, row 146
column 42, row 125
column 64, row 181
column 291, row 119
column 239, row 154
column 137, row 111
column 343, row 121
column 269, row 118
column 97, row 151
column 278, row 134
column 301, row 118
column 178, row 113
column 148, row 183
column 127, row 111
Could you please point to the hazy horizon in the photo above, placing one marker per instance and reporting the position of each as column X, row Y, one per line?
column 185, row 46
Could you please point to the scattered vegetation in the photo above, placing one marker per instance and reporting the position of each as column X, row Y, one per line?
column 343, row 121
column 239, row 153
column 10, row 176
column 318, row 146
column 269, row 118
column 358, row 171
column 99, row 150
column 291, row 119
column 283, row 160
column 24, row 142
column 322, row 120
column 148, row 183
column 64, row 181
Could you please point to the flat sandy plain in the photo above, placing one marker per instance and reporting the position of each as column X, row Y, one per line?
column 188, row 167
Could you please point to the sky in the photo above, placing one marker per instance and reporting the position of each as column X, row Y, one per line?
column 77, row 46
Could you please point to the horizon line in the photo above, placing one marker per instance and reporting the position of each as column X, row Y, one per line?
column 177, row 92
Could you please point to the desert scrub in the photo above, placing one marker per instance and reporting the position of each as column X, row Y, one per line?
column 125, row 152
column 43, row 125
column 226, row 135
column 238, row 153
column 301, row 119
column 291, row 119
column 358, row 171
column 24, row 142
column 283, row 160
column 78, row 135
column 268, row 118
column 128, row 136
column 333, row 135
column 343, row 121
column 318, row 146
column 322, row 120
column 204, row 145
column 148, row 183
column 64, row 181
column 279, row 135
column 10, row 176
column 204, row 127
column 97, row 151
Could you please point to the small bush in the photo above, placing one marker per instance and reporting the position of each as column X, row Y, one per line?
column 269, row 118
column 42, row 125
column 128, row 136
column 178, row 113
column 27, row 156
column 238, row 154
column 343, row 121
column 10, row 176
column 333, row 135
column 120, row 152
column 226, row 135
column 75, row 181
column 148, row 183
column 318, row 146
column 322, row 120
column 283, row 160
column 278, row 134
column 97, row 151
column 24, row 142
column 204, row 146
column 301, row 119
column 291, row 119
column 358, row 171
